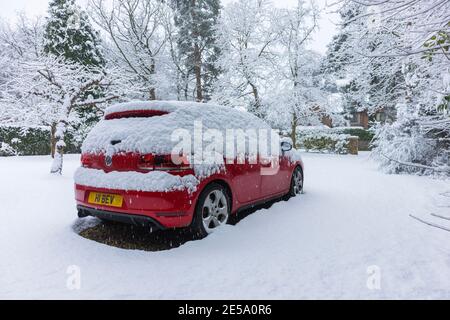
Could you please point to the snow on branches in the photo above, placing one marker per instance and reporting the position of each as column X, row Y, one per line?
column 267, row 67
column 421, row 27
column 396, row 55
column 248, row 38
column 390, row 57
column 54, row 88
column 136, row 36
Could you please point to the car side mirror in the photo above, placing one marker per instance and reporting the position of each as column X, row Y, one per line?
column 286, row 146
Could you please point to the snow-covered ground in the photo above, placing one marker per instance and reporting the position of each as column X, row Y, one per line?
column 351, row 228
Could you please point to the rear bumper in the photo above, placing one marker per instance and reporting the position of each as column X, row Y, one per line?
column 167, row 209
column 136, row 220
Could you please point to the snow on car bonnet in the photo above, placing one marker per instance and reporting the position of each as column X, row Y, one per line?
column 147, row 127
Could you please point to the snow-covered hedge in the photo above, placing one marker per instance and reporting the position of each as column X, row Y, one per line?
column 325, row 142
column 30, row 141
column 335, row 140
column 25, row 141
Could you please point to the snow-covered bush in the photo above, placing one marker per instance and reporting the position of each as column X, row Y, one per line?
column 419, row 140
column 361, row 133
column 336, row 140
column 404, row 147
column 324, row 141
column 6, row 150
column 333, row 143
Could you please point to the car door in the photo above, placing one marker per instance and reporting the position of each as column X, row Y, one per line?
column 246, row 179
column 275, row 177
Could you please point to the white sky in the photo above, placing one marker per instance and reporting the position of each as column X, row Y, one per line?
column 9, row 9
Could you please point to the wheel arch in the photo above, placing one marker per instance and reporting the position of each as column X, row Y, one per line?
column 300, row 165
column 194, row 226
column 295, row 166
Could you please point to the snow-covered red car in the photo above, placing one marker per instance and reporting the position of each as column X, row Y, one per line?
column 136, row 170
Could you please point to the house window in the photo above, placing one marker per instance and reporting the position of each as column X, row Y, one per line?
column 380, row 117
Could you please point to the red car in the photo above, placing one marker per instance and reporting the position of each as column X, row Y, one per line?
column 129, row 174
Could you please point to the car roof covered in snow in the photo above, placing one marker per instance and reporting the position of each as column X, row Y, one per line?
column 154, row 134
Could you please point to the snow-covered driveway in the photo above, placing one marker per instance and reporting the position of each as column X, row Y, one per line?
column 351, row 227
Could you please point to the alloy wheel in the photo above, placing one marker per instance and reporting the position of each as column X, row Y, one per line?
column 215, row 211
column 298, row 181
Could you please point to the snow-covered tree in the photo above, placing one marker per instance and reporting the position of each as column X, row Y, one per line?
column 267, row 67
column 362, row 82
column 341, row 63
column 303, row 100
column 419, row 140
column 23, row 39
column 69, row 34
column 137, row 40
column 21, row 42
column 197, row 43
column 55, row 87
column 414, row 22
column 248, row 38
column 405, row 50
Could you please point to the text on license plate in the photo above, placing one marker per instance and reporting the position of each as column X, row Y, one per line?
column 104, row 199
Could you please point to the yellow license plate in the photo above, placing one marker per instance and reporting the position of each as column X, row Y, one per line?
column 104, row 199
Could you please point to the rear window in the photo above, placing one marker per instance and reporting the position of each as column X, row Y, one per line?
column 135, row 114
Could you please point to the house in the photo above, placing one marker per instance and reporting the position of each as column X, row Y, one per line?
column 360, row 119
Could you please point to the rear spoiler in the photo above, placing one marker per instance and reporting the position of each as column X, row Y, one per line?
column 135, row 114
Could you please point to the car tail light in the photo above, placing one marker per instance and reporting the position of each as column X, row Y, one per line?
column 163, row 162
column 146, row 162
column 86, row 160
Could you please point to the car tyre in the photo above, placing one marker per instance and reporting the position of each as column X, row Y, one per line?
column 212, row 211
column 296, row 183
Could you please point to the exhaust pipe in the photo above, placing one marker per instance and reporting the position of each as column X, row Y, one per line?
column 82, row 213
